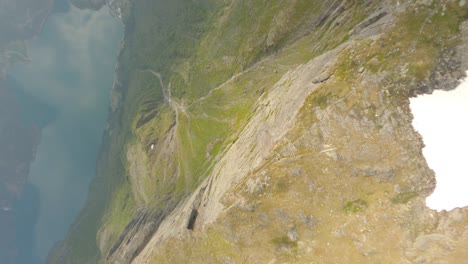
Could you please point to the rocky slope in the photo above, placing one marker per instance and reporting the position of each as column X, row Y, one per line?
column 279, row 132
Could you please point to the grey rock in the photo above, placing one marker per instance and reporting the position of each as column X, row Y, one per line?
column 296, row 172
column 380, row 175
column 292, row 234
column 366, row 23
column 322, row 77
column 424, row 242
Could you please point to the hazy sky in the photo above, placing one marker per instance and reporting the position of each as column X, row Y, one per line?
column 442, row 120
column 72, row 70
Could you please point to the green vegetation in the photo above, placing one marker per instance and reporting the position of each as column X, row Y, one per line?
column 123, row 207
column 404, row 197
column 284, row 242
column 349, row 104
column 178, row 40
column 421, row 35
column 213, row 108
column 217, row 58
column 355, row 206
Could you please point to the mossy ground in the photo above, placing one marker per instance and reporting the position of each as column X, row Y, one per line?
column 214, row 112
column 356, row 121
column 197, row 46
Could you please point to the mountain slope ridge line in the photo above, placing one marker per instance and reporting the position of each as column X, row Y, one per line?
column 278, row 107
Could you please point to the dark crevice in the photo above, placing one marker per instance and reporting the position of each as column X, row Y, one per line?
column 366, row 23
column 192, row 219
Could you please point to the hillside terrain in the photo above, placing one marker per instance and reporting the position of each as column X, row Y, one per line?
column 272, row 132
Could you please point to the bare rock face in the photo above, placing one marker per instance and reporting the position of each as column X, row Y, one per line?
column 281, row 134
column 344, row 181
column 446, row 244
column 135, row 237
column 463, row 48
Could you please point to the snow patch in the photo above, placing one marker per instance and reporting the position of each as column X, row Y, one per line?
column 442, row 120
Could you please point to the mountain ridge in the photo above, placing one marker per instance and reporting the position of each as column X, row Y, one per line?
column 162, row 197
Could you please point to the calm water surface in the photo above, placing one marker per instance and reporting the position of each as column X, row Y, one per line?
column 71, row 72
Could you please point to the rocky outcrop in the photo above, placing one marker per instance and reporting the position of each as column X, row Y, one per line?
column 135, row 236
column 325, row 178
column 463, row 48
column 286, row 137
column 250, row 150
column 446, row 243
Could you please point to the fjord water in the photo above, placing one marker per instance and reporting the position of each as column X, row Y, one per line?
column 71, row 71
column 441, row 119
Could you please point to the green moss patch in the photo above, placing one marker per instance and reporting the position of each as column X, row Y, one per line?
column 355, row 206
column 404, row 197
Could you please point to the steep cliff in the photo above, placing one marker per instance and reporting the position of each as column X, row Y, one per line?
column 272, row 132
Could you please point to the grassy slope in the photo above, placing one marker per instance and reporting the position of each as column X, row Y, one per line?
column 110, row 200
column 166, row 39
column 179, row 42
column 212, row 122
column 314, row 195
column 197, row 47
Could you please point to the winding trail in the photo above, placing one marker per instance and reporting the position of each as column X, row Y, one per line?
column 232, row 78
column 176, row 106
column 173, row 103
column 166, row 94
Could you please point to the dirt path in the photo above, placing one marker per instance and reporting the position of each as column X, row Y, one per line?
column 175, row 106
column 232, row 78
column 248, row 153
